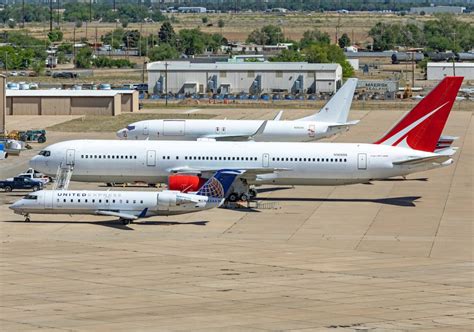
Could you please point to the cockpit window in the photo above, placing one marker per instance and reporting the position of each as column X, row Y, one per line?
column 33, row 197
column 45, row 153
column 130, row 127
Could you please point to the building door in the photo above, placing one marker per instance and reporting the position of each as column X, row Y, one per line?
column 173, row 127
column 265, row 160
column 362, row 161
column 70, row 156
column 151, row 158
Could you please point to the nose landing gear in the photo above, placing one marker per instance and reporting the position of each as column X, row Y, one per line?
column 27, row 218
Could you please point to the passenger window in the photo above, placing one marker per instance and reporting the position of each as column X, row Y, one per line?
column 100, row 201
column 141, row 202
column 331, row 159
column 82, row 156
column 93, row 201
column 121, row 157
column 113, row 201
column 64, row 200
column 168, row 157
column 273, row 159
column 106, row 201
column 134, row 201
column 71, row 200
column 177, row 157
column 86, row 200
column 127, row 201
column 345, row 159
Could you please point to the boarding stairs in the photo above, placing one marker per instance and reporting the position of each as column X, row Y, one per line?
column 63, row 177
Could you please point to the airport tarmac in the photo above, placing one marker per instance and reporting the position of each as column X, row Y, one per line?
column 387, row 256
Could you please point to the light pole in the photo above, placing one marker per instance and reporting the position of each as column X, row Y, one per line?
column 166, row 83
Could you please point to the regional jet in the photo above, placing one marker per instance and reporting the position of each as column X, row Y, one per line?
column 127, row 205
column 330, row 120
column 409, row 147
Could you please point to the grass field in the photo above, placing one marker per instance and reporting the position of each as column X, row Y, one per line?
column 238, row 26
column 114, row 123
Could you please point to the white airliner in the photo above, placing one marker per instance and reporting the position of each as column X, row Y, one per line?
column 127, row 205
column 407, row 148
column 331, row 120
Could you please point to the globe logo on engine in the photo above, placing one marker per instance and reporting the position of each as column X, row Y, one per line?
column 213, row 188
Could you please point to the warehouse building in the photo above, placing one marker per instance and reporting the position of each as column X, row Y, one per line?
column 247, row 77
column 71, row 102
column 438, row 70
column 438, row 10
column 3, row 103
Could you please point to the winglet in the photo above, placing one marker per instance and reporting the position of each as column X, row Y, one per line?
column 337, row 108
column 420, row 129
column 259, row 131
column 278, row 116
column 143, row 213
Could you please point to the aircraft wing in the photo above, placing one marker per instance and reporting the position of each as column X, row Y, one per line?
column 224, row 137
column 247, row 173
column 423, row 160
column 120, row 214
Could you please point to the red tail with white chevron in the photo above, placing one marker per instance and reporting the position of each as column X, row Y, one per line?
column 421, row 128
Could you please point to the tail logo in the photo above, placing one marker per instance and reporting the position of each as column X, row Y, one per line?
column 213, row 188
column 402, row 134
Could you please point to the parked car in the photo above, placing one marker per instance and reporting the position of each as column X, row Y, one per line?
column 105, row 86
column 21, row 183
column 33, row 175
column 13, row 86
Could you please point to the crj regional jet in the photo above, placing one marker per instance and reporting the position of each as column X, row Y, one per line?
column 127, row 205
column 331, row 120
column 407, row 148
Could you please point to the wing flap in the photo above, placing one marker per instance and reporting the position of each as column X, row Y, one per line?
column 235, row 138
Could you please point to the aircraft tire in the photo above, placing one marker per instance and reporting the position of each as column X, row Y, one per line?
column 233, row 197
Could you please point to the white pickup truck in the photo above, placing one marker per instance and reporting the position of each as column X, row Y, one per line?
column 34, row 175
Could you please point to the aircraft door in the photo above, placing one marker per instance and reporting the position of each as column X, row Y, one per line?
column 48, row 200
column 151, row 158
column 173, row 128
column 145, row 129
column 362, row 161
column 265, row 160
column 70, row 156
column 311, row 131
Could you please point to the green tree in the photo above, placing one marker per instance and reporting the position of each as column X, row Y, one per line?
column 323, row 53
column 11, row 24
column 38, row 67
column 192, row 41
column 124, row 22
column 314, row 37
column 114, row 38
column 344, row 41
column 220, row 23
column 167, row 34
column 204, row 20
column 74, row 11
column 162, row 52
column 84, row 58
column 55, row 36
column 268, row 35
column 288, row 56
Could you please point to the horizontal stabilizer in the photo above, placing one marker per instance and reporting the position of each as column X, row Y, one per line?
column 423, row 160
column 340, row 127
column 278, row 116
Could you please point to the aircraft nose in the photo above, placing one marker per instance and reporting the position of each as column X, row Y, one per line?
column 122, row 133
column 33, row 162
column 14, row 206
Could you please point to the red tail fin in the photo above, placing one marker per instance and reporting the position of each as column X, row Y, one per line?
column 421, row 128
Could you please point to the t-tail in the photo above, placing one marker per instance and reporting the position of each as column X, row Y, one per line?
column 421, row 128
column 337, row 108
column 219, row 184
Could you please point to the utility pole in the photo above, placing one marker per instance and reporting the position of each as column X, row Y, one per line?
column 58, row 14
column 412, row 70
column 454, row 48
column 90, row 10
column 50, row 15
column 166, row 83
column 23, row 13
column 74, row 46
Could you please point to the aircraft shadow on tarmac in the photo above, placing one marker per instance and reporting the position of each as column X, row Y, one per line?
column 114, row 223
column 404, row 201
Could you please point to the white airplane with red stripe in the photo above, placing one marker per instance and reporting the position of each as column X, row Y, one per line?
column 407, row 148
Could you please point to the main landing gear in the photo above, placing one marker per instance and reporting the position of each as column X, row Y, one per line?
column 126, row 221
column 27, row 218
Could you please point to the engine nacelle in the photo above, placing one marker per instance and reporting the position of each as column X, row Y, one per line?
column 166, row 200
column 185, row 183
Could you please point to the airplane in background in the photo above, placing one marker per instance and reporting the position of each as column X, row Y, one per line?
column 409, row 147
column 330, row 120
column 127, row 205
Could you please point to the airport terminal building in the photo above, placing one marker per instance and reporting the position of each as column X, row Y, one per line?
column 244, row 77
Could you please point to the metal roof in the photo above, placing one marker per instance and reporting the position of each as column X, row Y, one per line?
column 450, row 64
column 65, row 93
column 257, row 66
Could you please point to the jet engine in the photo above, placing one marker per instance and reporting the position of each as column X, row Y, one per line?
column 185, row 183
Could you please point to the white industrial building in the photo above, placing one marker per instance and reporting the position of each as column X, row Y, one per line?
column 247, row 77
column 438, row 70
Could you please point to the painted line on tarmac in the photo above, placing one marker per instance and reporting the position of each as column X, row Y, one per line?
column 194, row 110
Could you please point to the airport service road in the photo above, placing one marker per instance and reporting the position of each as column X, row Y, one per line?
column 390, row 256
